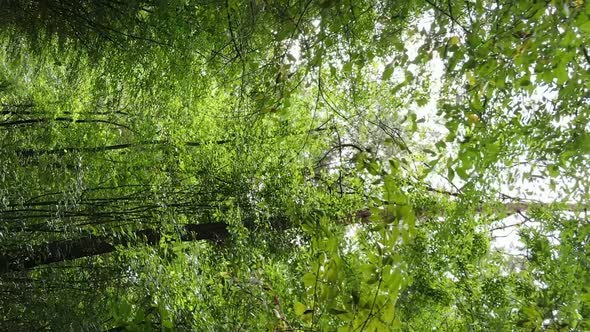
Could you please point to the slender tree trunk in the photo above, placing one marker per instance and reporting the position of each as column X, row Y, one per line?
column 66, row 150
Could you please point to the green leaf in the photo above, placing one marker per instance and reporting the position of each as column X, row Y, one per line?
column 470, row 78
column 299, row 308
column 387, row 72
column 309, row 279
column 462, row 172
column 561, row 73
column 585, row 28
column 553, row 170
column 347, row 68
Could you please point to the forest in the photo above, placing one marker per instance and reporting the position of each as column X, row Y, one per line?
column 294, row 165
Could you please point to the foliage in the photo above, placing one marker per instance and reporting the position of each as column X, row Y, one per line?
column 294, row 165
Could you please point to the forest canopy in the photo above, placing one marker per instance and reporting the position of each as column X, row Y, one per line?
column 294, row 165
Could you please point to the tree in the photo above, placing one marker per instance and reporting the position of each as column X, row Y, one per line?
column 350, row 163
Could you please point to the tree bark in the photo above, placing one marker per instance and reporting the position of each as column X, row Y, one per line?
column 87, row 246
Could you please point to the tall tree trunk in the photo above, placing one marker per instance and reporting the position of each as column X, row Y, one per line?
column 65, row 250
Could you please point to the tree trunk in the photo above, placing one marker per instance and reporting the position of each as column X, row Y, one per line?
column 65, row 250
